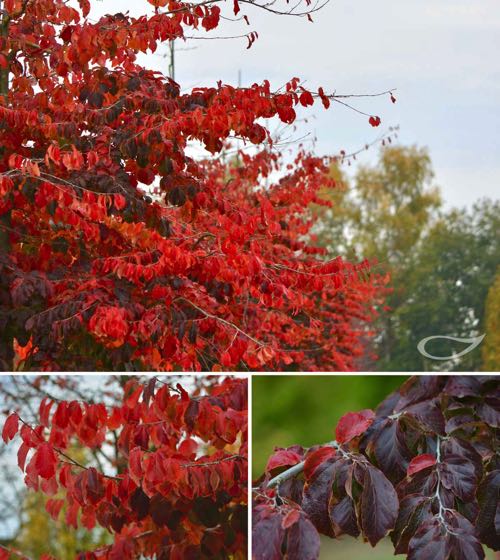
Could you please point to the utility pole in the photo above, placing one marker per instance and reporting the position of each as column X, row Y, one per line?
column 4, row 34
column 171, row 66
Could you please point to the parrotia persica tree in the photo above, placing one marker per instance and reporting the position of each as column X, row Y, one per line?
column 117, row 250
column 176, row 487
column 423, row 468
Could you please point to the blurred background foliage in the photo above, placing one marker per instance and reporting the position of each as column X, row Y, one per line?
column 305, row 409
column 442, row 261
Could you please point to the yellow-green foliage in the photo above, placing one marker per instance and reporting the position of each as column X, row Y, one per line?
column 40, row 534
column 491, row 343
column 383, row 214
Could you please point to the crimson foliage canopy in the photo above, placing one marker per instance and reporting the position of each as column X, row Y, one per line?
column 117, row 250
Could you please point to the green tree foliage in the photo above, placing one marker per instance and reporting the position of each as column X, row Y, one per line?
column 441, row 264
column 447, row 289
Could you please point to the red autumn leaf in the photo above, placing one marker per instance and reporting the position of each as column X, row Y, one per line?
column 283, row 458
column 85, row 7
column 135, row 463
column 132, row 400
column 61, row 415
column 419, row 463
column 353, row 424
column 10, row 427
column 314, row 459
column 290, row 518
column 54, row 507
column 119, row 201
column 45, row 461
column 44, row 411
column 21, row 455
column 306, row 99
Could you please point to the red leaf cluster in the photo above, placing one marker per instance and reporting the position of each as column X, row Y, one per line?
column 178, row 485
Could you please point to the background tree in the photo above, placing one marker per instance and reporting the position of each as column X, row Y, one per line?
column 440, row 263
column 384, row 216
column 491, row 347
column 120, row 252
column 448, row 287
column 166, row 475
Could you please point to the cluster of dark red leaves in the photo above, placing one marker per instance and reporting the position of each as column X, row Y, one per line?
column 424, row 468
column 177, row 489
column 117, row 250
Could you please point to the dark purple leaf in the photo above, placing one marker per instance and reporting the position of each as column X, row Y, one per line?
column 459, row 422
column 414, row 510
column 462, row 448
column 421, row 483
column 462, row 386
column 267, row 537
column 317, row 496
column 458, row 475
column 379, row 505
column 139, row 502
column 303, row 541
column 292, row 489
column 428, row 542
column 489, row 412
column 387, row 406
column 419, row 388
column 488, row 496
column 427, row 415
column 461, row 538
column 160, row 509
column 387, row 444
column 452, row 538
column 343, row 517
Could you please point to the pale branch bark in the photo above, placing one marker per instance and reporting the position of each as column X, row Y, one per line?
column 289, row 473
column 295, row 469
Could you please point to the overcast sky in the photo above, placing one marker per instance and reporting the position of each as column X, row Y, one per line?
column 442, row 56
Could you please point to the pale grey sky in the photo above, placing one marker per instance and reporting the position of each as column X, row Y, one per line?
column 442, row 56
